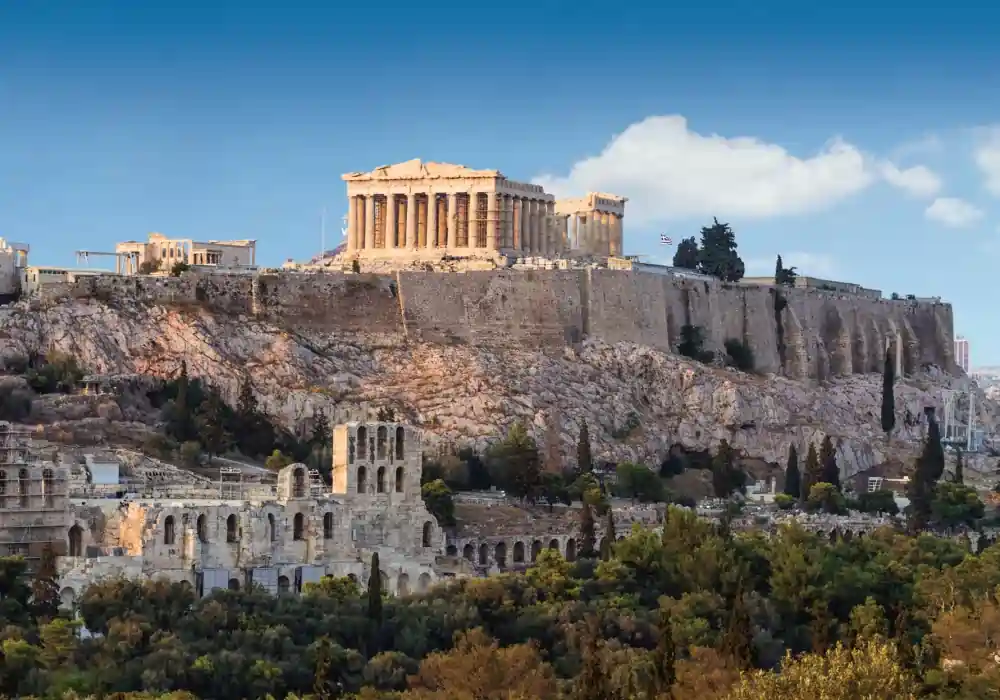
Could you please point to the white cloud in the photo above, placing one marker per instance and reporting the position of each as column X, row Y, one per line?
column 811, row 264
column 670, row 172
column 953, row 212
column 919, row 180
column 987, row 156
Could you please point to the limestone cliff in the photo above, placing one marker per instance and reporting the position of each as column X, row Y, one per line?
column 464, row 355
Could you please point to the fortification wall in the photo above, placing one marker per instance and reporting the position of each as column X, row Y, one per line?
column 805, row 333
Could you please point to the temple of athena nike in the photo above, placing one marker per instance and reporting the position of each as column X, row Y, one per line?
column 416, row 210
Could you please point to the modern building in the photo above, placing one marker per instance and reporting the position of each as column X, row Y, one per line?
column 13, row 260
column 162, row 253
column 417, row 210
column 962, row 353
column 806, row 282
column 36, row 278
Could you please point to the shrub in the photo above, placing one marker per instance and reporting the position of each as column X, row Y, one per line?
column 191, row 453
column 784, row 501
column 739, row 355
column 692, row 344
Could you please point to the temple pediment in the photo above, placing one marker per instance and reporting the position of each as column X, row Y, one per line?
column 416, row 169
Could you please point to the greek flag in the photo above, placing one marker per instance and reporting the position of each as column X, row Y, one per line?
column 665, row 239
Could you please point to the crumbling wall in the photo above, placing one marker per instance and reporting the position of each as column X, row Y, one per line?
column 803, row 333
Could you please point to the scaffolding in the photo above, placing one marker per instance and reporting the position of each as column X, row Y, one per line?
column 959, row 429
column 230, row 483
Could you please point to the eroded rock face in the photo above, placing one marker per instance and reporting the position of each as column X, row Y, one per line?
column 464, row 393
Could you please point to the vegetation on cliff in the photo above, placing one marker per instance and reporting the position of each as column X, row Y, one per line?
column 715, row 256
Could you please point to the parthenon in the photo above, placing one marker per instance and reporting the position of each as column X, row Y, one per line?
column 414, row 209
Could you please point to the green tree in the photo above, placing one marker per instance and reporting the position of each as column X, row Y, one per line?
column 639, row 483
column 888, row 394
column 740, row 355
column 212, row 426
column 588, row 535
column 179, row 268
column 829, row 470
column 180, row 415
column 793, row 480
column 375, row 591
column 592, row 683
column 955, row 505
column 609, row 535
column 813, row 473
column 321, row 434
column 922, row 484
column 726, row 477
column 784, row 276
column 439, row 501
column 686, row 255
column 692, row 344
column 553, row 490
column 514, row 463
column 717, row 255
column 825, row 497
column 959, row 477
column 277, row 460
column 45, row 585
column 881, row 501
column 584, row 457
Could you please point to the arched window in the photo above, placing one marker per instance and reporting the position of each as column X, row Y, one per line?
column 234, row 584
column 518, row 552
column 424, row 582
column 536, row 549
column 403, row 585
column 484, row 554
column 202, row 528
column 362, row 442
column 468, row 552
column 451, row 551
column 381, row 438
column 299, row 483
column 380, row 480
column 428, row 531
column 76, row 541
column 554, row 544
column 298, row 526
column 570, row 549
column 284, row 585
column 399, row 442
column 48, row 487
column 328, row 526
column 399, row 480
column 24, row 487
column 3, row 486
column 500, row 554
column 168, row 530
column 231, row 528
column 362, row 480
column 272, row 530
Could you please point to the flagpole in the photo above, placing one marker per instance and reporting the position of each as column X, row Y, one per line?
column 322, row 234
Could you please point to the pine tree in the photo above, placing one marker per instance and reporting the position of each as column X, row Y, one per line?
column 829, row 471
column 666, row 656
column 375, row 591
column 591, row 683
column 45, row 586
column 181, row 417
column 609, row 535
column 584, row 459
column 812, row 473
column 686, row 255
column 793, row 480
column 212, row 431
column 737, row 641
column 928, row 469
column 588, row 537
column 246, row 403
column 717, row 255
column 888, row 395
column 321, row 435
column 959, row 469
column 723, row 471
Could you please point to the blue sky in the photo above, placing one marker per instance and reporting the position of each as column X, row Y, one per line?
column 855, row 140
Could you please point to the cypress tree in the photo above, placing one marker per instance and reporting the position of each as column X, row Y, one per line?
column 926, row 472
column 666, row 655
column 888, row 395
column 812, row 473
column 591, row 683
column 793, row 480
column 959, row 469
column 584, row 458
column 829, row 471
column 588, row 538
column 609, row 535
column 375, row 591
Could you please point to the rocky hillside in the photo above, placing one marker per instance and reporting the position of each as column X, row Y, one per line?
column 637, row 401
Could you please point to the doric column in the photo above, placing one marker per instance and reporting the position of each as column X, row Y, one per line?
column 390, row 221
column 515, row 223
column 411, row 220
column 616, row 235
column 352, row 224
column 432, row 220
column 472, row 221
column 452, row 220
column 508, row 205
column 369, row 222
column 526, row 226
column 574, row 242
column 492, row 214
column 536, row 230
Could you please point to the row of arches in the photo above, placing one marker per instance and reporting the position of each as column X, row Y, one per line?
column 519, row 552
column 23, row 483
column 380, row 480
column 233, row 529
column 381, row 443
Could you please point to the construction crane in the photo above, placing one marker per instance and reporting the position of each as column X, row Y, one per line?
column 125, row 263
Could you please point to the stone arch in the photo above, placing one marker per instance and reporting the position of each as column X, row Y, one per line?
column 380, row 480
column 23, row 486
column 399, row 480
column 484, row 554
column 500, row 554
column 169, row 535
column 423, row 582
column 381, row 438
column 554, row 544
column 362, row 442
column 362, row 480
column 399, row 442
column 202, row 528
column 231, row 528
column 536, row 549
column 469, row 552
column 353, row 578
column 570, row 549
column 427, row 534
column 3, row 482
column 451, row 550
column 284, row 585
column 603, row 544
column 234, row 584
column 298, row 527
column 519, row 552
column 76, row 541
column 48, row 485
column 299, row 483
column 67, row 597
column 403, row 585
column 327, row 526
column 272, row 528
